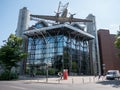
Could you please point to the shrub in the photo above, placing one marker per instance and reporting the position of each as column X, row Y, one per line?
column 51, row 71
column 8, row 76
column 41, row 72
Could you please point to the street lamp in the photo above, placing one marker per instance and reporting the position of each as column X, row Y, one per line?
column 46, row 73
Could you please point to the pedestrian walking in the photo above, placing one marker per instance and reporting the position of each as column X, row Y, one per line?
column 60, row 74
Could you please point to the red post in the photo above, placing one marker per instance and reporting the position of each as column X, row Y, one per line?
column 65, row 74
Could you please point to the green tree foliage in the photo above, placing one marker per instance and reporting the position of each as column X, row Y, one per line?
column 11, row 52
column 117, row 41
column 74, row 67
column 66, row 60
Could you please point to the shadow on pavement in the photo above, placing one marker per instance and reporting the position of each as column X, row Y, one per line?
column 113, row 83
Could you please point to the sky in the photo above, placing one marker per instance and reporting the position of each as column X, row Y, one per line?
column 107, row 12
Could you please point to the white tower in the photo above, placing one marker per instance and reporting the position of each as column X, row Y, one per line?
column 91, row 28
column 23, row 20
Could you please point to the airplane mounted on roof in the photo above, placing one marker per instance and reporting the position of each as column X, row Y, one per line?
column 61, row 18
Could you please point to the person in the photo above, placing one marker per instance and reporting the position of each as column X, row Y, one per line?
column 60, row 75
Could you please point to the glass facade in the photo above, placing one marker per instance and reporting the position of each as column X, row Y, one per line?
column 58, row 52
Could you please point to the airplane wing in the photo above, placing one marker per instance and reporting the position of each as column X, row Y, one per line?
column 73, row 20
column 80, row 20
column 60, row 19
column 54, row 18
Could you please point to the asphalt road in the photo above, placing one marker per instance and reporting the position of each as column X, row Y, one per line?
column 21, row 85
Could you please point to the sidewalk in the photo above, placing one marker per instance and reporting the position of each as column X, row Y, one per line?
column 56, row 80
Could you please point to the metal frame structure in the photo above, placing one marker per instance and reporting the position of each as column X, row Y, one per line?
column 59, row 47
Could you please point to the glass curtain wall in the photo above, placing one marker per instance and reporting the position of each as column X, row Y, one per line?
column 58, row 53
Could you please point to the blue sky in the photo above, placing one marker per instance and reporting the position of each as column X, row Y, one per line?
column 107, row 12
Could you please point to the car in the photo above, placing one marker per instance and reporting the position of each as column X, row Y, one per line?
column 112, row 74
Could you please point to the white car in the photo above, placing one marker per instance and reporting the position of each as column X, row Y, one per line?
column 112, row 74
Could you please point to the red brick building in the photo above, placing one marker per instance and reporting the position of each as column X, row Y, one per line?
column 108, row 51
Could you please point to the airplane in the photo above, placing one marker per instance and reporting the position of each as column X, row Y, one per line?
column 63, row 18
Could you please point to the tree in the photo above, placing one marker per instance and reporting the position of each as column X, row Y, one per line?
column 117, row 41
column 11, row 52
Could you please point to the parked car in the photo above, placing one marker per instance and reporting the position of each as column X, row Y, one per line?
column 112, row 74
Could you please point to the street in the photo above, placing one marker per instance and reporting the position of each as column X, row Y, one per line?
column 22, row 85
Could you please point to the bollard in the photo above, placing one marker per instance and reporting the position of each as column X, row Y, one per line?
column 83, row 80
column 89, row 79
column 58, row 80
column 72, row 81
column 38, row 80
column 103, row 78
column 93, row 79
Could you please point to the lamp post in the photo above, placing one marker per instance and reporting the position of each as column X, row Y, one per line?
column 46, row 72
column 47, row 56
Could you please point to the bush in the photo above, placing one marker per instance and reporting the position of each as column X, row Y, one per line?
column 51, row 71
column 41, row 72
column 13, row 76
column 8, row 76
